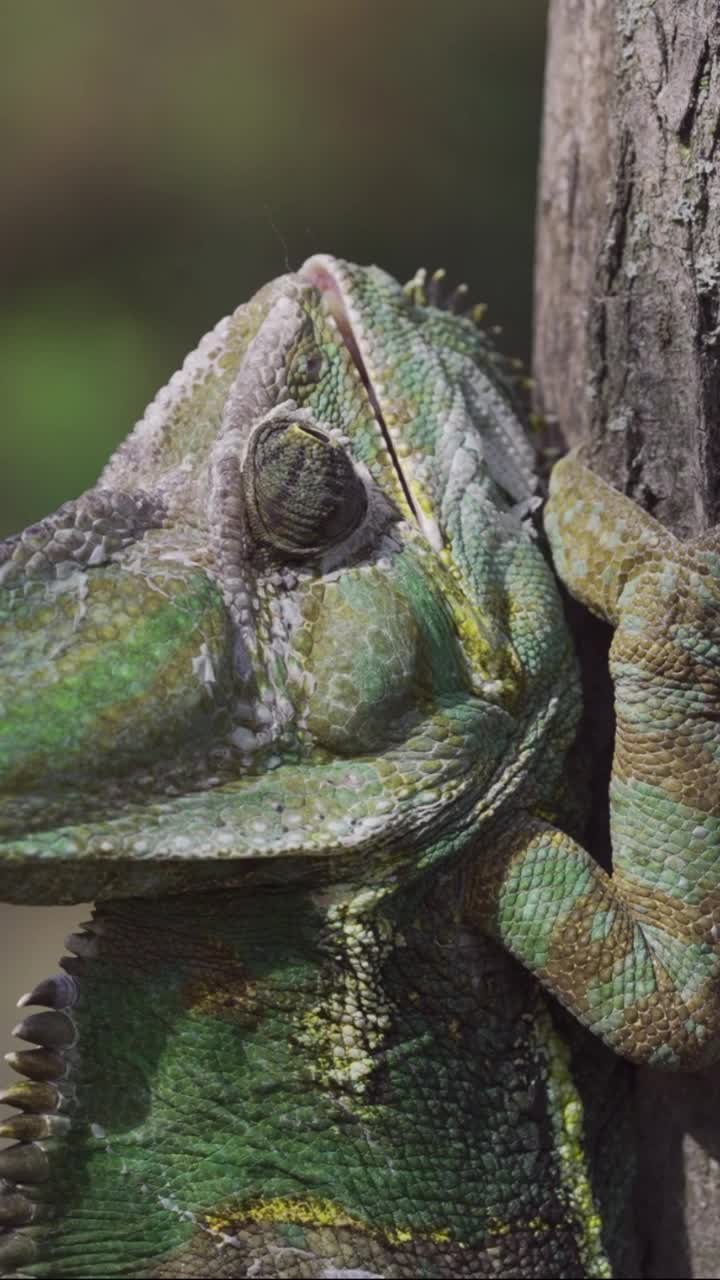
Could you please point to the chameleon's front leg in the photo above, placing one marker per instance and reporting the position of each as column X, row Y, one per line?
column 635, row 956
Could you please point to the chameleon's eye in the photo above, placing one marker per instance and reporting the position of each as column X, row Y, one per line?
column 302, row 492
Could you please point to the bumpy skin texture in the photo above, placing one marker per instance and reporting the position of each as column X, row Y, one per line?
column 291, row 694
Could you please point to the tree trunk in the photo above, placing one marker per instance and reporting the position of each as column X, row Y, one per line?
column 627, row 362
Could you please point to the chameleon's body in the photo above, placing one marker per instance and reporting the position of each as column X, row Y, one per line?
column 292, row 695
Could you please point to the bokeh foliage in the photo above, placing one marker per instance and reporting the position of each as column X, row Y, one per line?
column 162, row 159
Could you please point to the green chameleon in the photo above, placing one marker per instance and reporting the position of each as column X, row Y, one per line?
column 292, row 696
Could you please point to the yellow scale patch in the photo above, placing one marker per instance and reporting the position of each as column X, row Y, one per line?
column 323, row 1212
column 488, row 647
column 566, row 1108
column 313, row 1212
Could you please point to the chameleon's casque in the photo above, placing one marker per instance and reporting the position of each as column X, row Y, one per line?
column 291, row 693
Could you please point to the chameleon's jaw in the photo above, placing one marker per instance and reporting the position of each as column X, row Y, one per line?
column 296, row 825
column 82, row 817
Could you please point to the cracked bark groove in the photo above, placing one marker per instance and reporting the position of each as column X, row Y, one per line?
column 627, row 360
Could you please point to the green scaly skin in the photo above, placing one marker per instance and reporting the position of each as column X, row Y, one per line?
column 291, row 695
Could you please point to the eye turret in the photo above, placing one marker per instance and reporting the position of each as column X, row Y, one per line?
column 302, row 492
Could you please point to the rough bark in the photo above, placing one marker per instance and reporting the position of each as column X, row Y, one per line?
column 627, row 362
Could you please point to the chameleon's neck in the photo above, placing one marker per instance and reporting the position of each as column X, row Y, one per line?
column 257, row 1075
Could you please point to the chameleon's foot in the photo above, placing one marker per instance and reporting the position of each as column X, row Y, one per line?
column 40, row 1119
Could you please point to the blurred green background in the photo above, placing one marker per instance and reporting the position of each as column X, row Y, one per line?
column 162, row 159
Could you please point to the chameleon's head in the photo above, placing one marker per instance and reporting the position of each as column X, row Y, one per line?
column 279, row 639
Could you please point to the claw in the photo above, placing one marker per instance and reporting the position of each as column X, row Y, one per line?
column 15, row 1251
column 33, row 1097
column 82, row 944
column 25, row 1128
column 58, row 992
column 37, row 1064
column 25, row 1162
column 52, row 1030
column 15, row 1210
column 96, row 925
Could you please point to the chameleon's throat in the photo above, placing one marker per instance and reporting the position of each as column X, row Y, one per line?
column 222, row 1072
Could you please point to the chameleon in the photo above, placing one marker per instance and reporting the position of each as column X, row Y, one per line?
column 292, row 696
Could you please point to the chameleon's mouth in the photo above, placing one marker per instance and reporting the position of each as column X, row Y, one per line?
column 321, row 271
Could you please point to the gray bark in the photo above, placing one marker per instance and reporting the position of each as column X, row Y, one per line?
column 627, row 362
